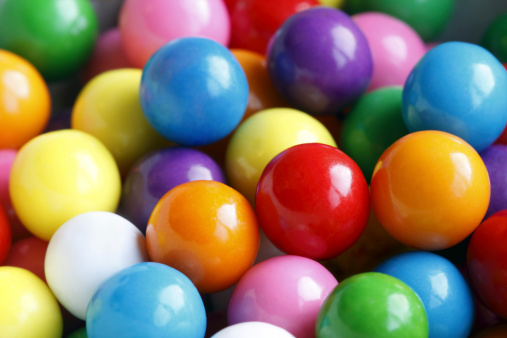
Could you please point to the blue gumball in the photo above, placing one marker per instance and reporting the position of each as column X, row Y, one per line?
column 459, row 88
column 193, row 91
column 444, row 292
column 146, row 300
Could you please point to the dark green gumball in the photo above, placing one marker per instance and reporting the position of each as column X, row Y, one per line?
column 495, row 38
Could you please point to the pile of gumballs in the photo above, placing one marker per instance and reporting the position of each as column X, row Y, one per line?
column 251, row 168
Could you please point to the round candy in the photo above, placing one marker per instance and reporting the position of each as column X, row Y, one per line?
column 312, row 200
column 85, row 251
column 372, row 305
column 157, row 173
column 206, row 230
column 430, row 190
column 495, row 159
column 372, row 125
column 146, row 300
column 260, row 138
column 108, row 108
column 395, row 48
column 459, row 88
column 441, row 287
column 253, row 330
column 285, row 291
column 494, row 38
column 28, row 308
column 194, row 91
column 26, row 105
column 320, row 61
column 56, row 36
column 332, row 3
column 28, row 253
column 80, row 333
column 146, row 25
column 5, row 235
column 59, row 175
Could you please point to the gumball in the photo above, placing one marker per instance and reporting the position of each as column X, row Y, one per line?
column 26, row 105
column 285, row 291
column 430, row 190
column 253, row 330
column 146, row 25
column 459, row 88
column 29, row 253
column 372, row 304
column 254, row 22
column 312, row 200
column 207, row 230
column 85, row 251
column 427, row 17
column 495, row 159
column 332, row 3
column 56, row 37
column 28, row 308
column 193, row 91
column 444, row 292
column 5, row 235
column 108, row 108
column 320, row 61
column 502, row 139
column 395, row 48
column 494, row 39
column 497, row 331
column 59, row 175
column 146, row 300
column 80, row 333
column 372, row 125
column 157, row 173
column 260, row 138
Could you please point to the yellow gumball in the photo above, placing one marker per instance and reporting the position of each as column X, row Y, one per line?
column 332, row 3
column 108, row 108
column 59, row 175
column 263, row 136
column 27, row 306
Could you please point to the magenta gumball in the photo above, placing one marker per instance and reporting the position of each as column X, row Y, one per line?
column 495, row 159
column 395, row 48
column 286, row 291
column 6, row 158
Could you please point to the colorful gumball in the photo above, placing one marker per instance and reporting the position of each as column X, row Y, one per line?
column 80, row 333
column 441, row 287
column 26, row 105
column 285, row 291
column 260, row 138
column 494, row 38
column 193, row 91
column 320, row 61
column 59, row 175
column 495, row 159
column 28, row 253
column 459, row 88
column 430, row 190
column 146, row 25
column 56, row 37
column 146, row 300
column 253, row 330
column 332, row 3
column 108, row 108
column 395, row 48
column 206, row 230
column 312, row 200
column 85, row 251
column 157, row 173
column 372, row 304
column 28, row 308
column 5, row 235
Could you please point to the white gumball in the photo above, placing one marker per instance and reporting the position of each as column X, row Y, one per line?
column 253, row 330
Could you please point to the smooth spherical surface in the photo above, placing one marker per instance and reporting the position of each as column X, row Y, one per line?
column 494, row 39
column 372, row 305
column 28, row 253
column 312, row 200
column 193, row 91
column 495, row 159
column 5, row 235
column 59, row 175
column 441, row 287
column 207, row 230
column 146, row 300
column 458, row 88
column 85, row 251
column 430, row 190
column 28, row 308
column 285, row 291
column 25, row 104
column 253, row 330
column 320, row 61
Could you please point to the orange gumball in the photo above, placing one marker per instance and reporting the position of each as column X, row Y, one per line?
column 25, row 104
column 430, row 190
column 206, row 230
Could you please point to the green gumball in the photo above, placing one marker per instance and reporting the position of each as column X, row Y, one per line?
column 495, row 38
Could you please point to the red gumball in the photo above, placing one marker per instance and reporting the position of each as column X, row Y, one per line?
column 312, row 200
column 5, row 235
column 29, row 254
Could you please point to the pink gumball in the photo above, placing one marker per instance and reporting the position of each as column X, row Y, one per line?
column 146, row 25
column 286, row 291
column 395, row 48
column 6, row 158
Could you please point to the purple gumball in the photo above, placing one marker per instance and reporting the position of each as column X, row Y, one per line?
column 495, row 159
column 320, row 61
column 157, row 173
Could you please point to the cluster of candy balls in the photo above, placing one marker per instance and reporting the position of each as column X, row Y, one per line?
column 251, row 168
